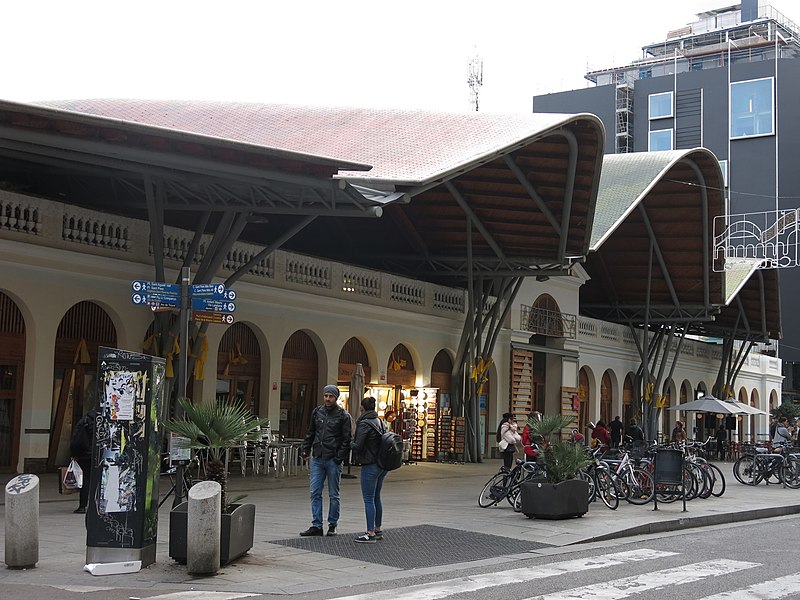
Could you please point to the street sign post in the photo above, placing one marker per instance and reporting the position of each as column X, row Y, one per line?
column 204, row 316
column 212, row 305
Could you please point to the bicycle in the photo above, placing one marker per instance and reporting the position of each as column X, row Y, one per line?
column 601, row 481
column 505, row 484
column 635, row 483
column 188, row 480
column 783, row 466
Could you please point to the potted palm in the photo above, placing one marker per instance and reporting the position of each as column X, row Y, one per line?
column 561, row 494
column 213, row 428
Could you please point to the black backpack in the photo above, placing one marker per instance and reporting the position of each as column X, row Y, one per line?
column 390, row 452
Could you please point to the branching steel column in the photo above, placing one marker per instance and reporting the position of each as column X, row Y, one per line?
column 662, row 263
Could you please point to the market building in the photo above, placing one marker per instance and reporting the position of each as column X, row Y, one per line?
column 352, row 237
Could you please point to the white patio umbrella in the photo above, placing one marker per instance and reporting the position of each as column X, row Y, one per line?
column 710, row 404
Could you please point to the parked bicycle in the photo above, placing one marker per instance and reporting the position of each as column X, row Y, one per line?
column 191, row 475
column 781, row 466
column 505, row 484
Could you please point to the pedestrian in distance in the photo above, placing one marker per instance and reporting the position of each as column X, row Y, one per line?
column 782, row 434
column 634, row 431
column 615, row 428
column 80, row 449
column 678, row 433
column 326, row 445
column 529, row 440
column 508, row 438
column 722, row 440
column 602, row 435
column 366, row 447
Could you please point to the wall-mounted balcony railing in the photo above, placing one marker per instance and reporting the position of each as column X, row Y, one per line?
column 550, row 323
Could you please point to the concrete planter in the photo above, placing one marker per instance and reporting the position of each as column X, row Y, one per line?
column 236, row 536
column 564, row 500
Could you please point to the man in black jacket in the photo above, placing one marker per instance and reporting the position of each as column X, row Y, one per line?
column 327, row 442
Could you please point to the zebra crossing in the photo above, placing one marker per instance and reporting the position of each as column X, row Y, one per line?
column 636, row 586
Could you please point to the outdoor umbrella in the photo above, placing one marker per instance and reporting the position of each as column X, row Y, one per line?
column 710, row 404
column 356, row 395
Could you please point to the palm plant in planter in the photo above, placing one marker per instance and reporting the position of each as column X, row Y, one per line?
column 214, row 428
column 561, row 495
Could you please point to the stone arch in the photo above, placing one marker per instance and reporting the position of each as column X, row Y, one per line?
column 238, row 372
column 400, row 368
column 83, row 329
column 630, row 406
column 545, row 317
column 300, row 374
column 12, row 365
column 586, row 391
column 442, row 371
column 606, row 396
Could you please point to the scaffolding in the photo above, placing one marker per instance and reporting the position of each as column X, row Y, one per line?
column 624, row 114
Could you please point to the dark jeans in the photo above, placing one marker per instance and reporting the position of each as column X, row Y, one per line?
column 86, row 467
column 508, row 457
column 371, row 483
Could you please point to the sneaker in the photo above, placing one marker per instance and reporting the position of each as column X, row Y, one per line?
column 331, row 530
column 81, row 510
column 366, row 539
column 379, row 534
column 312, row 531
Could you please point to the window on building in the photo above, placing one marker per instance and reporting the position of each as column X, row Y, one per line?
column 723, row 164
column 660, row 139
column 660, row 105
column 752, row 108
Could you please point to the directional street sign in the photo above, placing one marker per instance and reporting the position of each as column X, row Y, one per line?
column 203, row 316
column 209, row 304
column 212, row 290
column 164, row 300
column 155, row 286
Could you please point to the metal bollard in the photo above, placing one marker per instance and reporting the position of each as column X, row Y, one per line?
column 22, row 522
column 204, row 527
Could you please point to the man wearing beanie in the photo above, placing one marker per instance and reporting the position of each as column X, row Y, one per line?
column 327, row 442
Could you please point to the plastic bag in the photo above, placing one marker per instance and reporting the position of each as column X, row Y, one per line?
column 73, row 477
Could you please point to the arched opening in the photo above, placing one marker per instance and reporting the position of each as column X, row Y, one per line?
column 299, row 374
column 605, row 398
column 239, row 367
column 583, row 395
column 545, row 317
column 627, row 400
column 12, row 362
column 84, row 328
column 353, row 352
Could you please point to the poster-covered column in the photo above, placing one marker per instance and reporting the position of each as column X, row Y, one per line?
column 122, row 514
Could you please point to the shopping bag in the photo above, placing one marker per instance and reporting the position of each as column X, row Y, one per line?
column 62, row 473
column 73, row 477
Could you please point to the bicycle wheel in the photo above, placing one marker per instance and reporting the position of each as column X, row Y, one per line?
column 705, row 480
column 719, row 480
column 587, row 477
column 493, row 491
column 605, row 489
column 640, row 486
column 744, row 469
column 790, row 472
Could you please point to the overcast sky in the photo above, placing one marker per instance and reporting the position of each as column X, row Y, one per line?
column 408, row 54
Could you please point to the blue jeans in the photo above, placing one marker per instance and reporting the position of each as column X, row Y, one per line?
column 322, row 468
column 371, row 483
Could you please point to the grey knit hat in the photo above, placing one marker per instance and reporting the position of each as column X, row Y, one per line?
column 331, row 389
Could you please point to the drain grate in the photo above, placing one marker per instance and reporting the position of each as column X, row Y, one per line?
column 417, row 546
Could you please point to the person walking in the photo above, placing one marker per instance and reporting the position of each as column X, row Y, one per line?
column 615, row 428
column 326, row 444
column 678, row 433
column 634, row 431
column 508, row 439
column 366, row 447
column 722, row 440
column 80, row 449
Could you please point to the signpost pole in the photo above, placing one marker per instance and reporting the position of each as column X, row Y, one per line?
column 183, row 359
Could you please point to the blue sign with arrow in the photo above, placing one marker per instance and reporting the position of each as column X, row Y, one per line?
column 212, row 305
column 216, row 291
column 157, row 298
column 155, row 286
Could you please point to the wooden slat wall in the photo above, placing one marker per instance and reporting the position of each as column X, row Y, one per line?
column 522, row 387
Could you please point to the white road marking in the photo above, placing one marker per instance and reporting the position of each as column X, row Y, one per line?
column 201, row 595
column 780, row 587
column 629, row 586
column 463, row 585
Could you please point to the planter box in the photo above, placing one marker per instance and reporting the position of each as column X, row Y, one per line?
column 564, row 500
column 236, row 535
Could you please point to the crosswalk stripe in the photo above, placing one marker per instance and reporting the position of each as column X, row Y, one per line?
column 201, row 595
column 628, row 586
column 781, row 587
column 462, row 585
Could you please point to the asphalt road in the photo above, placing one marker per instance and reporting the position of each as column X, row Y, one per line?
column 748, row 561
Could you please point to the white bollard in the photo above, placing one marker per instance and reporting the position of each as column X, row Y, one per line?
column 204, row 526
column 22, row 522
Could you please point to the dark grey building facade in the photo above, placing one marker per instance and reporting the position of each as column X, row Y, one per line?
column 729, row 82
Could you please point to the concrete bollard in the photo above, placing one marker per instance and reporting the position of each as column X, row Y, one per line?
column 22, row 522
column 204, row 526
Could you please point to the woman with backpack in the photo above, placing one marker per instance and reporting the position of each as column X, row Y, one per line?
column 366, row 447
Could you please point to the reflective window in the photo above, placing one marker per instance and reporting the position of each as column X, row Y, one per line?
column 660, row 140
column 751, row 108
column 660, row 105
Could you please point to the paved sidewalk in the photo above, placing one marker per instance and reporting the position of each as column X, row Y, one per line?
column 432, row 523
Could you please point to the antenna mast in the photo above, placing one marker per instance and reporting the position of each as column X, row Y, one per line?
column 475, row 79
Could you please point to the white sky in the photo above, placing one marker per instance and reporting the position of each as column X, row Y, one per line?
column 406, row 54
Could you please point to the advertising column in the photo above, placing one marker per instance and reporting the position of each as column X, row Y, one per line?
column 122, row 515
